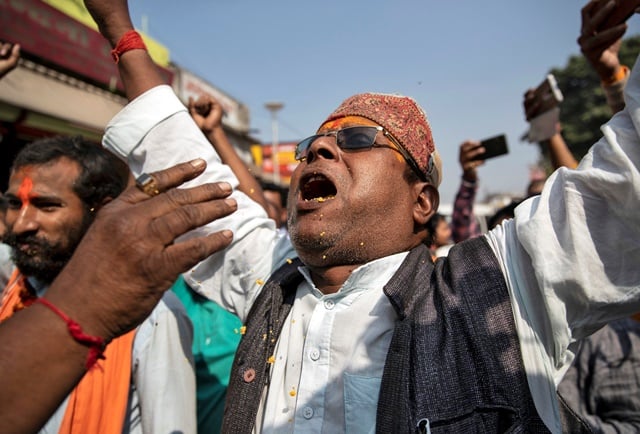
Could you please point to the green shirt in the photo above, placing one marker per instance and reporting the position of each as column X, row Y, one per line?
column 216, row 334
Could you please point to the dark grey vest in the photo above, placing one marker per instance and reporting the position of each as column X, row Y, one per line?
column 454, row 362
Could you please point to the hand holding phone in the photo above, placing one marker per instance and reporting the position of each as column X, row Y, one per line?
column 9, row 56
column 543, row 98
column 541, row 109
column 493, row 147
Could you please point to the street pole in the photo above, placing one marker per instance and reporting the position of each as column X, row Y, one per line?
column 273, row 107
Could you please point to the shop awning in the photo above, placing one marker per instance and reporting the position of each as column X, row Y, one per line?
column 35, row 88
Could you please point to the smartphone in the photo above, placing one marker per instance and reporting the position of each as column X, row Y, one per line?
column 547, row 96
column 621, row 13
column 493, row 147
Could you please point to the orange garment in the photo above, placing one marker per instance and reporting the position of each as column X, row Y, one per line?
column 98, row 404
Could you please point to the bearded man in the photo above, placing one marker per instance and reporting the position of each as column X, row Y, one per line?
column 144, row 381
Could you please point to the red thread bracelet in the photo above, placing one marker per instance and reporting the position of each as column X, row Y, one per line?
column 131, row 40
column 95, row 343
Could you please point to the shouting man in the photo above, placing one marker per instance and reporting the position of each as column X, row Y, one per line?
column 356, row 329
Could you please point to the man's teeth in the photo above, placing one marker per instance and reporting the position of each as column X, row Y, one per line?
column 320, row 199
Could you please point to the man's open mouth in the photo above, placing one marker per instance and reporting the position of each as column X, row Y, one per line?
column 317, row 188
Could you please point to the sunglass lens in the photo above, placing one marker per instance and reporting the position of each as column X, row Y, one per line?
column 303, row 147
column 356, row 137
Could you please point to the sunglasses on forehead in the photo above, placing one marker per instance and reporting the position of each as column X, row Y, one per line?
column 361, row 138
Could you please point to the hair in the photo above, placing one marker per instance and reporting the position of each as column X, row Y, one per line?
column 266, row 185
column 431, row 226
column 410, row 175
column 535, row 187
column 506, row 212
column 102, row 174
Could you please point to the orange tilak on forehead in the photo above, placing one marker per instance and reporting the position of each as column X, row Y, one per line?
column 336, row 124
column 24, row 192
column 350, row 121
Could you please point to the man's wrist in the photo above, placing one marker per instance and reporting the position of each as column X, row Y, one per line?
column 214, row 132
column 469, row 181
column 619, row 73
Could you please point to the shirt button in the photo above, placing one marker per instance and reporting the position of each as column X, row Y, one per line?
column 249, row 375
column 314, row 354
column 307, row 412
column 207, row 341
column 329, row 304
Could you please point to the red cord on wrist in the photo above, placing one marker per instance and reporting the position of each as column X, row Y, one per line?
column 131, row 40
column 95, row 343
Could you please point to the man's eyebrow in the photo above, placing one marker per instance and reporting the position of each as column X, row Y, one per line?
column 36, row 198
column 44, row 198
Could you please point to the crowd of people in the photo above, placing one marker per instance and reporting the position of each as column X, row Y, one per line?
column 355, row 309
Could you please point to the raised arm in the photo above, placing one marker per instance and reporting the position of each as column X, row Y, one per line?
column 601, row 45
column 155, row 131
column 134, row 235
column 9, row 56
column 137, row 70
column 559, row 152
column 207, row 113
column 571, row 252
column 463, row 221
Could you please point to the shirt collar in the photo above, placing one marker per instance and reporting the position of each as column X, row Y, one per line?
column 372, row 275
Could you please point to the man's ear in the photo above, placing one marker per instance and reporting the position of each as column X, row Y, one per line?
column 427, row 202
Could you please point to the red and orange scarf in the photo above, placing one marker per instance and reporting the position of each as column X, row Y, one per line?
column 99, row 401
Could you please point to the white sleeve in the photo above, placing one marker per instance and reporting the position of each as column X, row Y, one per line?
column 164, row 374
column 154, row 132
column 571, row 255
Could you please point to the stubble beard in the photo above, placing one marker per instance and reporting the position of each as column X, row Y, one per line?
column 47, row 259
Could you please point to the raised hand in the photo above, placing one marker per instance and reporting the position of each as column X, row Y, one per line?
column 9, row 56
column 207, row 112
column 468, row 151
column 601, row 45
column 130, row 255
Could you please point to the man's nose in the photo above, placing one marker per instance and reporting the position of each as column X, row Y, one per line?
column 323, row 147
column 23, row 220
